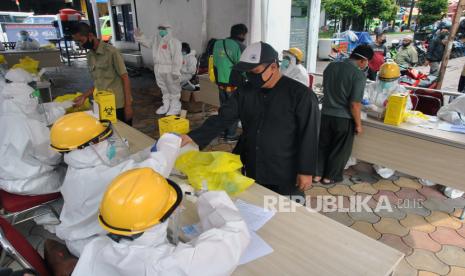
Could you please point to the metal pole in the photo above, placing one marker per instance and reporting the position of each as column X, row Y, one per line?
column 313, row 30
column 410, row 14
column 96, row 18
column 445, row 57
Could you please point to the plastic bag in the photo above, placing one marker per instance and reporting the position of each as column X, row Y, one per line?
column 71, row 97
column 214, row 171
column 415, row 117
column 211, row 69
column 28, row 64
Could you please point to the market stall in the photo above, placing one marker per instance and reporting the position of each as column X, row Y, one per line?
column 302, row 241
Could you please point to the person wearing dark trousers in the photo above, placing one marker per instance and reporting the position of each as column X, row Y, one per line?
column 280, row 120
column 462, row 81
column 344, row 84
column 226, row 53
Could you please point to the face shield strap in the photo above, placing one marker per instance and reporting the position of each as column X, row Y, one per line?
column 176, row 204
column 99, row 138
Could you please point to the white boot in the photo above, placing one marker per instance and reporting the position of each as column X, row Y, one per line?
column 175, row 107
column 164, row 108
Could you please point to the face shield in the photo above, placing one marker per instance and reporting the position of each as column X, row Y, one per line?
column 113, row 150
column 36, row 97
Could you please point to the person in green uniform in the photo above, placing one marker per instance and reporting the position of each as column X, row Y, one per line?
column 226, row 54
column 407, row 55
column 107, row 68
column 343, row 85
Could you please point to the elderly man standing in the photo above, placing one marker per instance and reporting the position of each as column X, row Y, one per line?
column 407, row 55
column 108, row 71
column 280, row 120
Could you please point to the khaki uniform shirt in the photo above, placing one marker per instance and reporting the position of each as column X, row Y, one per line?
column 106, row 66
column 407, row 57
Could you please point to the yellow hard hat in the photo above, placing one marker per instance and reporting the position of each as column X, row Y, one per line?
column 299, row 55
column 77, row 131
column 137, row 200
column 389, row 71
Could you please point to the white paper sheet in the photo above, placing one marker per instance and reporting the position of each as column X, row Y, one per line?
column 255, row 217
column 257, row 248
column 451, row 128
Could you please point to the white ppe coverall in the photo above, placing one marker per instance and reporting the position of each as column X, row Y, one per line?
column 296, row 71
column 377, row 94
column 215, row 252
column 454, row 112
column 167, row 60
column 28, row 165
column 27, row 44
column 189, row 67
column 87, row 179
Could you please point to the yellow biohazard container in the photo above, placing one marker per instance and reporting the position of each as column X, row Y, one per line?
column 174, row 124
column 106, row 105
column 395, row 109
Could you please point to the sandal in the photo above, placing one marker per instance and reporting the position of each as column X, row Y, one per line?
column 328, row 182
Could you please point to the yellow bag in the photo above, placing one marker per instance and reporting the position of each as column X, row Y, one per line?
column 28, row 64
column 71, row 97
column 211, row 69
column 214, row 171
column 2, row 59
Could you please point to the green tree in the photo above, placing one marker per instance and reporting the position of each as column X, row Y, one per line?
column 381, row 9
column 431, row 11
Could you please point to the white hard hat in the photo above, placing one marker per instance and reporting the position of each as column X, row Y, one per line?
column 408, row 37
column 18, row 75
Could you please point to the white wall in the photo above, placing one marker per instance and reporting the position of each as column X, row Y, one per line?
column 267, row 20
column 271, row 22
column 184, row 16
column 222, row 14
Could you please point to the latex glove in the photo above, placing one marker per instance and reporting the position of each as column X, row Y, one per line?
column 65, row 104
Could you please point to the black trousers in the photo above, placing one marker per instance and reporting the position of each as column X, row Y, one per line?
column 335, row 146
column 120, row 116
column 461, row 84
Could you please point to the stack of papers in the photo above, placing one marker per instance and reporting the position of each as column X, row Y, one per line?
column 255, row 217
column 451, row 128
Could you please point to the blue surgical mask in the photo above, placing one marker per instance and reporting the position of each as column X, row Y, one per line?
column 285, row 63
column 163, row 33
column 387, row 85
column 111, row 151
column 23, row 37
column 184, row 53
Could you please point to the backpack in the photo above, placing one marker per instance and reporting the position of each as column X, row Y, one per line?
column 224, row 59
column 203, row 60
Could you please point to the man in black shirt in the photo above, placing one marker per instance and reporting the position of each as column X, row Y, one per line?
column 280, row 120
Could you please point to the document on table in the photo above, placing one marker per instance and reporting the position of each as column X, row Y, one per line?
column 257, row 248
column 451, row 128
column 254, row 216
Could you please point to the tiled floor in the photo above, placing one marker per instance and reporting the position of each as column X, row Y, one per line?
column 429, row 233
column 432, row 239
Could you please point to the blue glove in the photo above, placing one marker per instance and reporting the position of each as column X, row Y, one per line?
column 154, row 148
